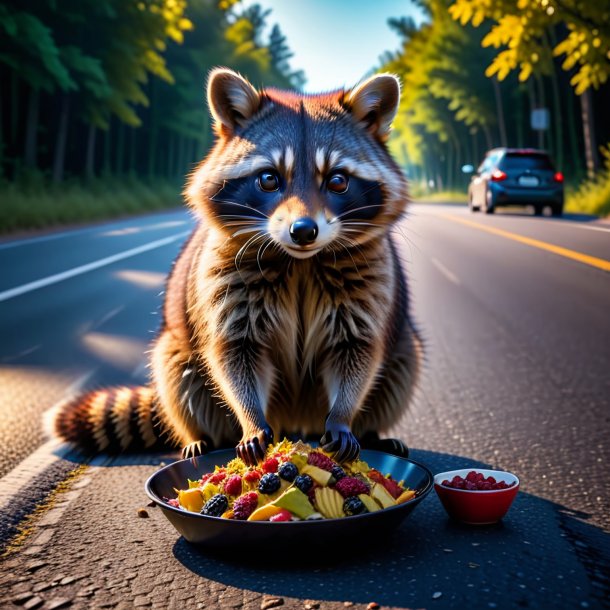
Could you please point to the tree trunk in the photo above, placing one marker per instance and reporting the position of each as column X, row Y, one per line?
column 107, row 149
column 132, row 150
column 488, row 140
column 62, row 137
column 500, row 112
column 589, row 133
column 120, row 150
column 171, row 155
column 575, row 155
column 153, row 131
column 15, row 106
column 90, row 158
column 31, row 129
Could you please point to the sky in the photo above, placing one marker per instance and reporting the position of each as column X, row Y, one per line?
column 337, row 42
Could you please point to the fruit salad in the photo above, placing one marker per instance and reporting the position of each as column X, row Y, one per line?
column 295, row 482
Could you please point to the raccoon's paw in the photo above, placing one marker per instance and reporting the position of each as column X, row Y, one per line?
column 252, row 450
column 195, row 449
column 339, row 441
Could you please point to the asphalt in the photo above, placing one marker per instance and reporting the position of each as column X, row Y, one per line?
column 516, row 377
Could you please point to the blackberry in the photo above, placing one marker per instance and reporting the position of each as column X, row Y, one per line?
column 269, row 483
column 288, row 471
column 215, row 506
column 338, row 472
column 304, row 482
column 354, row 506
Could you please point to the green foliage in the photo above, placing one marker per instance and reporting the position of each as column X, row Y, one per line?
column 593, row 196
column 523, row 27
column 34, row 203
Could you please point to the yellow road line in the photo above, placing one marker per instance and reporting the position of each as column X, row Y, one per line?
column 599, row 263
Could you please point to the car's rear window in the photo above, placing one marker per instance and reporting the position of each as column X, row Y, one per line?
column 517, row 161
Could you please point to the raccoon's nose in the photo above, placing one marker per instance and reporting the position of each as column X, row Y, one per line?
column 303, row 231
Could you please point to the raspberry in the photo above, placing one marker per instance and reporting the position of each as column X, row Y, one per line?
column 233, row 485
column 218, row 477
column 269, row 483
column 284, row 515
column 252, row 476
column 304, row 482
column 354, row 506
column 315, row 458
column 288, row 471
column 174, row 502
column 392, row 487
column 270, row 465
column 244, row 506
column 215, row 506
column 351, row 486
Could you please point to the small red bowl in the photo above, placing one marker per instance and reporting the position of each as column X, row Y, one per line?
column 476, row 507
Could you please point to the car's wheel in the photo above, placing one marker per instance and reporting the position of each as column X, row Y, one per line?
column 557, row 210
column 490, row 206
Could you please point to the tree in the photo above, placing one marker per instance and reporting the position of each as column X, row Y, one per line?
column 526, row 27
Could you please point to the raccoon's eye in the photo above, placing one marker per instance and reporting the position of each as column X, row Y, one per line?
column 337, row 183
column 268, row 181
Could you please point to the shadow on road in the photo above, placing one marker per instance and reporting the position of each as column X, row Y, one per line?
column 541, row 555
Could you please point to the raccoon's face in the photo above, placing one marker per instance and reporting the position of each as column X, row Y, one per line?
column 300, row 173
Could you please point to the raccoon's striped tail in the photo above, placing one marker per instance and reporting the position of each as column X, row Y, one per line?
column 111, row 420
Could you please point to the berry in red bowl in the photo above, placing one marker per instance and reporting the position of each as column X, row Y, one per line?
column 477, row 497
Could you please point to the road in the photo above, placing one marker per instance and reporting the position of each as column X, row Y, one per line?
column 514, row 311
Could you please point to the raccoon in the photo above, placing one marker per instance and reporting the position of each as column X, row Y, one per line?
column 287, row 310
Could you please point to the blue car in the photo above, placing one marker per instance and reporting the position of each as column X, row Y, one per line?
column 516, row 176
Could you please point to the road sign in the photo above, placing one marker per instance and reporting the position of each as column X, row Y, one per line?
column 540, row 119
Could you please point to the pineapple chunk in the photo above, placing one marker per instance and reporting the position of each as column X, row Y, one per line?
column 321, row 477
column 380, row 493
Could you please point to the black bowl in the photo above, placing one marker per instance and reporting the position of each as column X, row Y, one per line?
column 223, row 533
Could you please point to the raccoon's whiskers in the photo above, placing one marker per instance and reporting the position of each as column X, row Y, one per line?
column 241, row 205
column 352, row 210
column 261, row 253
column 339, row 240
column 242, row 250
column 353, row 244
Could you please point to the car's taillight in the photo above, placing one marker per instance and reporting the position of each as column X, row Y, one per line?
column 498, row 175
column 558, row 177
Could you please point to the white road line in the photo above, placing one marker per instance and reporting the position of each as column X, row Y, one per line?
column 448, row 274
column 15, row 243
column 103, row 262
column 588, row 227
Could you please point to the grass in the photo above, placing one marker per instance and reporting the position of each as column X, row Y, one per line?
column 34, row 203
column 441, row 197
column 592, row 196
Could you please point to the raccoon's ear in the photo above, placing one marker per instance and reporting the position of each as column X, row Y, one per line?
column 232, row 100
column 374, row 103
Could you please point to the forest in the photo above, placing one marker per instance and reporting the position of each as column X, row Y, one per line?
column 102, row 113
column 473, row 73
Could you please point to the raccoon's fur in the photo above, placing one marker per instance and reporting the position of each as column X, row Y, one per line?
column 287, row 310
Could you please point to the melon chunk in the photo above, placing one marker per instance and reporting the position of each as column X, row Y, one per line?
column 329, row 502
column 296, row 502
column 369, row 503
column 321, row 477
